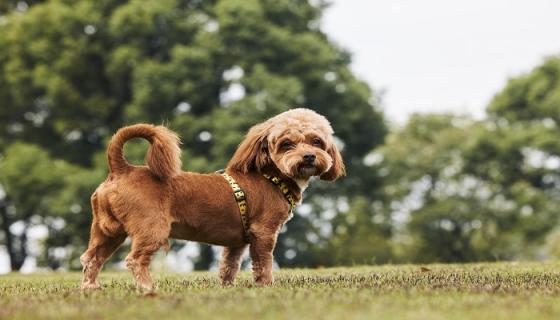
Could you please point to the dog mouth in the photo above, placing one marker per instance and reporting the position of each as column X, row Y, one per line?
column 307, row 170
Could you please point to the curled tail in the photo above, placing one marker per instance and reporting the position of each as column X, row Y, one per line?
column 163, row 157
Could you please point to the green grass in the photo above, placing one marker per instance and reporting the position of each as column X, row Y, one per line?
column 472, row 291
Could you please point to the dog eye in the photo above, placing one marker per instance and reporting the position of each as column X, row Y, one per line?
column 317, row 142
column 286, row 144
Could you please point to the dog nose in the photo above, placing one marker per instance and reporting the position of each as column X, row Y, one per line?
column 309, row 157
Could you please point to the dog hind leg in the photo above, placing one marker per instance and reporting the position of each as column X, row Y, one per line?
column 144, row 246
column 103, row 242
column 100, row 248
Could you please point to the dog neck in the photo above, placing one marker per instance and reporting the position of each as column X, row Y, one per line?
column 302, row 184
column 296, row 186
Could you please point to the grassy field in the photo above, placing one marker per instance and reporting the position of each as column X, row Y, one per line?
column 473, row 291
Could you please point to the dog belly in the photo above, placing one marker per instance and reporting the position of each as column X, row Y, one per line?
column 186, row 232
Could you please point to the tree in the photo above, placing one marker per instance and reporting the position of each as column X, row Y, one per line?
column 455, row 192
column 426, row 195
column 30, row 178
column 524, row 125
column 75, row 71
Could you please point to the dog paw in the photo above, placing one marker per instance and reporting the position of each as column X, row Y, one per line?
column 264, row 282
column 227, row 282
column 150, row 294
column 90, row 286
column 147, row 289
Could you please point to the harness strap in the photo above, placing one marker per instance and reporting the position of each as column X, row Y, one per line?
column 284, row 189
column 241, row 200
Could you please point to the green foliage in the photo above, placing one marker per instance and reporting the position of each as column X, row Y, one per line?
column 441, row 188
column 463, row 186
column 28, row 174
column 531, row 97
column 72, row 72
column 45, row 191
column 481, row 190
column 360, row 236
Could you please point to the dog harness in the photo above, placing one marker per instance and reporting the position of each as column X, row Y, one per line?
column 241, row 199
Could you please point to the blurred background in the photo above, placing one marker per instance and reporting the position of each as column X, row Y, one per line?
column 447, row 114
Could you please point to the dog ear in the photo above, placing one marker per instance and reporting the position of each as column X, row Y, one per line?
column 252, row 153
column 337, row 168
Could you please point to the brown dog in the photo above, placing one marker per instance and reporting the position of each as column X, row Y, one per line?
column 155, row 202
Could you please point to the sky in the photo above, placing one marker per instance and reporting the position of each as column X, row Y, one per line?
column 442, row 55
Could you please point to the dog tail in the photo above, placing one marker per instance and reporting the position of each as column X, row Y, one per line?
column 163, row 157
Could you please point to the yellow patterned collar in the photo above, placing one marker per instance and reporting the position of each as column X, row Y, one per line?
column 284, row 189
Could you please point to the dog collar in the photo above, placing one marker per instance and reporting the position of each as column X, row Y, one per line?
column 241, row 200
column 284, row 189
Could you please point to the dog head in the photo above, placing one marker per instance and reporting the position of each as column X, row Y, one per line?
column 298, row 143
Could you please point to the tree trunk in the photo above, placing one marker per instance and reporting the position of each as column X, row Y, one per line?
column 17, row 248
column 5, row 225
column 205, row 257
column 22, row 252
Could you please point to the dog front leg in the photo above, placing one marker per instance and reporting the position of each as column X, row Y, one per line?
column 261, row 255
column 229, row 265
